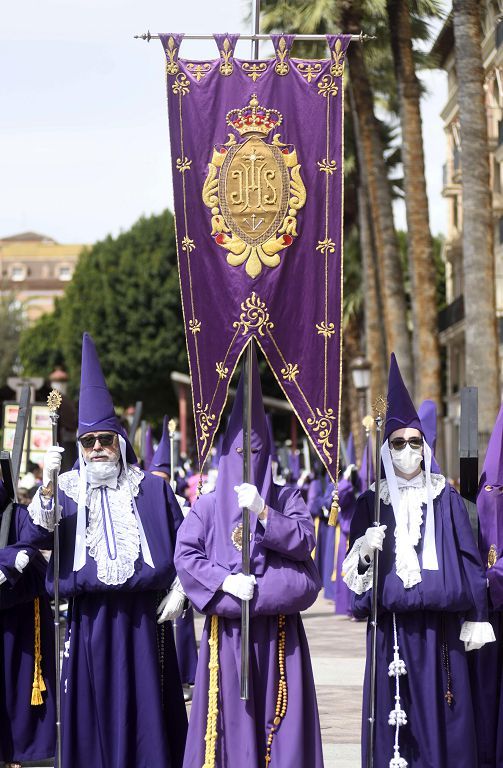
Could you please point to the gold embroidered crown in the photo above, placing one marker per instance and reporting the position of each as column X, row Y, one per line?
column 253, row 118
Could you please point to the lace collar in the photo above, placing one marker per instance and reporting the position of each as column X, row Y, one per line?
column 112, row 534
column 437, row 484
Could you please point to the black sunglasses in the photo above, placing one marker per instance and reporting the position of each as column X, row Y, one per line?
column 104, row 439
column 399, row 443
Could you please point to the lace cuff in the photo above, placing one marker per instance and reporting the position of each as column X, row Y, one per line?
column 479, row 632
column 42, row 512
column 357, row 582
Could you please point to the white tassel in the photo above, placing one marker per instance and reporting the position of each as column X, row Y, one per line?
column 398, row 762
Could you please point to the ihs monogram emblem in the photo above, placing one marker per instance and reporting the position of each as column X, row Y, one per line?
column 254, row 190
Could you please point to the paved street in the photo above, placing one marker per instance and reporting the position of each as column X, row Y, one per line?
column 338, row 655
column 337, row 651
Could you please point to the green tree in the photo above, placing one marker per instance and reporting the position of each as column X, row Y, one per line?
column 11, row 323
column 40, row 345
column 125, row 293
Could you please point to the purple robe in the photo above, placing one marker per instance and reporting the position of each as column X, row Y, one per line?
column 347, row 504
column 324, row 555
column 186, row 647
column 486, row 666
column 287, row 582
column 122, row 701
column 428, row 618
column 27, row 733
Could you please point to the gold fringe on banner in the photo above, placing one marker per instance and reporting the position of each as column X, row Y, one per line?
column 211, row 723
column 38, row 681
column 334, row 509
column 282, row 700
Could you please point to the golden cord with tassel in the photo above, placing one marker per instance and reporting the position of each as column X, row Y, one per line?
column 38, row 681
column 211, row 723
column 282, row 700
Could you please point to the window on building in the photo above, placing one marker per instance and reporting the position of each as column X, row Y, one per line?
column 455, row 215
column 18, row 272
column 65, row 272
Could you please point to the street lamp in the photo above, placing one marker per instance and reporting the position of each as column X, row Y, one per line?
column 360, row 372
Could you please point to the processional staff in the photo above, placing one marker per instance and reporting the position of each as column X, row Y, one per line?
column 54, row 403
column 380, row 412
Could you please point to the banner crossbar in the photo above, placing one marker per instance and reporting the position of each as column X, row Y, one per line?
column 361, row 38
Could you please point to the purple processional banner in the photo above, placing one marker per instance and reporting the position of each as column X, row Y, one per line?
column 257, row 155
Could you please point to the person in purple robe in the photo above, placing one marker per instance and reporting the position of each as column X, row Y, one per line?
column 351, row 450
column 427, row 413
column 183, row 626
column 432, row 602
column 487, row 665
column 279, row 722
column 367, row 471
column 27, row 692
column 347, row 489
column 122, row 701
column 324, row 534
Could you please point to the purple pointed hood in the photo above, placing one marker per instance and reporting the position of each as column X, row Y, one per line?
column 215, row 458
column 401, row 412
column 149, row 447
column 96, row 408
column 490, row 494
column 350, row 449
column 367, row 459
column 161, row 461
column 228, row 514
column 274, row 451
column 427, row 413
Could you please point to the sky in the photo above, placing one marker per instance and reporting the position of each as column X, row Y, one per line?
column 84, row 147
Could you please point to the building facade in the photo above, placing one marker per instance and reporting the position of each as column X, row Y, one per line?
column 35, row 269
column 452, row 318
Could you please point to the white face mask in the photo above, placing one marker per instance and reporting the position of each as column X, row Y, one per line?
column 102, row 473
column 407, row 460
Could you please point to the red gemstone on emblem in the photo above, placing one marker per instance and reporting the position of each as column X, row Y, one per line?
column 220, row 238
column 287, row 239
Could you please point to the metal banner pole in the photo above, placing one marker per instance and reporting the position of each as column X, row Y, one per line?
column 247, row 374
column 380, row 410
column 54, row 403
column 256, row 38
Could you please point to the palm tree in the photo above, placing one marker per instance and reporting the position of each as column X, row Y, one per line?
column 481, row 340
column 320, row 16
column 426, row 349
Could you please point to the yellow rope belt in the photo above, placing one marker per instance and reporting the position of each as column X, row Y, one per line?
column 38, row 681
column 211, row 722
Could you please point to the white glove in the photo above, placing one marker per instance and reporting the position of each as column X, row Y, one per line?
column 52, row 461
column 3, row 578
column 470, row 645
column 348, row 471
column 249, row 497
column 21, row 560
column 372, row 540
column 171, row 606
column 239, row 585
